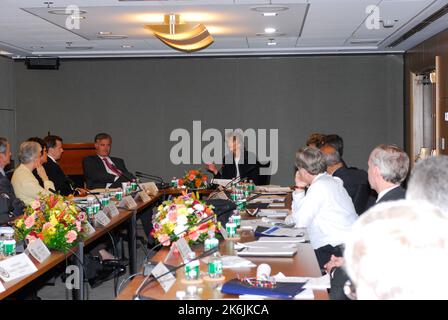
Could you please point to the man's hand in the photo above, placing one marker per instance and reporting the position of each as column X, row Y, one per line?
column 81, row 192
column 334, row 262
column 212, row 167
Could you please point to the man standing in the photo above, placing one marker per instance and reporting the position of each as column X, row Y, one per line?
column 102, row 171
column 62, row 183
column 388, row 167
column 10, row 206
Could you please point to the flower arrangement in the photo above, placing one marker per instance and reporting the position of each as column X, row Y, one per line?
column 55, row 220
column 193, row 179
column 178, row 218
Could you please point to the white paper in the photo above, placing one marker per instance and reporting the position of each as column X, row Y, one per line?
column 267, row 252
column 167, row 281
column 16, row 267
column 2, row 288
column 150, row 188
column 270, row 213
column 38, row 250
column 286, row 232
column 221, row 182
column 184, row 248
column 234, row 262
column 306, row 294
column 276, row 205
column 144, row 196
column 266, row 245
column 111, row 210
column 282, row 239
column 102, row 218
column 313, row 283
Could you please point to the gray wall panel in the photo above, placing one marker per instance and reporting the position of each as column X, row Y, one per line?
column 140, row 101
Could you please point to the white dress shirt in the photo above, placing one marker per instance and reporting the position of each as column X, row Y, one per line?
column 326, row 211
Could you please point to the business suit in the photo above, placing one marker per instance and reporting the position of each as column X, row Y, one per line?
column 357, row 185
column 10, row 206
column 397, row 193
column 96, row 175
column 60, row 180
column 251, row 171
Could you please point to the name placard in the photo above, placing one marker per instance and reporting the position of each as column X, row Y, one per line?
column 16, row 267
column 144, row 196
column 111, row 210
column 89, row 228
column 184, row 248
column 128, row 202
column 102, row 218
column 150, row 188
column 167, row 281
column 38, row 250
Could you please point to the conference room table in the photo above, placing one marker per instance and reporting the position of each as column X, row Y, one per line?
column 57, row 257
column 303, row 264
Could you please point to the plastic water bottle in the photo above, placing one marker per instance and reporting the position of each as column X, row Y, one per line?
column 192, row 267
column 192, row 293
column 180, row 295
column 90, row 208
column 231, row 228
column 211, row 242
column 237, row 218
column 215, row 266
column 9, row 243
column 119, row 194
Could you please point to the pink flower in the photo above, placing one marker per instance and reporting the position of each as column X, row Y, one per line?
column 164, row 240
column 29, row 222
column 35, row 205
column 82, row 216
column 30, row 238
column 172, row 216
column 71, row 236
column 47, row 225
column 78, row 226
column 193, row 235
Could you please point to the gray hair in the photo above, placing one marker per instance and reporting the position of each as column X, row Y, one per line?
column 429, row 182
column 394, row 243
column 392, row 161
column 311, row 159
column 29, row 151
column 3, row 144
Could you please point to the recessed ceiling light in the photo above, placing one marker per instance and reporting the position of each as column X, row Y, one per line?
column 64, row 12
column 112, row 36
column 269, row 9
column 272, row 42
column 5, row 53
column 77, row 17
column 126, row 46
column 103, row 33
column 270, row 30
column 269, row 14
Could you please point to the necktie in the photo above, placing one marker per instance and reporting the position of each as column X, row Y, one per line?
column 113, row 168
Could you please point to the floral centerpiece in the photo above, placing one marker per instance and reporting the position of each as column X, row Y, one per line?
column 55, row 220
column 193, row 179
column 179, row 218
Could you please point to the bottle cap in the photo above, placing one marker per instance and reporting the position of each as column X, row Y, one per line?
column 180, row 294
column 192, row 290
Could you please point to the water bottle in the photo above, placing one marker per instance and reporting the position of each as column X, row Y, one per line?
column 215, row 266
column 119, row 194
column 231, row 228
column 174, row 182
column 211, row 242
column 192, row 293
column 237, row 218
column 133, row 185
column 90, row 209
column 9, row 243
column 105, row 199
column 192, row 267
column 180, row 295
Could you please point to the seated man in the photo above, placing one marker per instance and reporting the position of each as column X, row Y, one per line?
column 62, row 183
column 238, row 163
column 396, row 250
column 355, row 180
column 326, row 209
column 10, row 206
column 388, row 167
column 26, row 186
column 102, row 171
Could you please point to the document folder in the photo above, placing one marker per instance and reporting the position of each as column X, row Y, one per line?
column 280, row 291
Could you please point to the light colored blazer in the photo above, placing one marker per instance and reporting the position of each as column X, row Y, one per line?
column 26, row 186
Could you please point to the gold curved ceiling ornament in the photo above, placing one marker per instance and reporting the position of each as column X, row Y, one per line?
column 181, row 36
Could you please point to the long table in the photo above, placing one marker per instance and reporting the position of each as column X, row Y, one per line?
column 304, row 264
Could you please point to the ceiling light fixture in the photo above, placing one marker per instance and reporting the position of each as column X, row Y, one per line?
column 112, row 36
column 64, row 12
column 182, row 36
column 269, row 9
column 125, row 46
column 270, row 30
column 272, row 42
column 269, row 14
column 104, row 33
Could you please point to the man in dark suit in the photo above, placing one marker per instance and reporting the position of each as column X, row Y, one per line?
column 62, row 183
column 10, row 206
column 238, row 163
column 102, row 171
column 355, row 180
column 388, row 168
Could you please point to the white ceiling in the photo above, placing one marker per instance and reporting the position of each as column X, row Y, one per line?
column 306, row 27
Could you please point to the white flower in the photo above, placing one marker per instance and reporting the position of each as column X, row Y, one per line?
column 182, row 220
column 179, row 230
column 190, row 210
column 199, row 207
